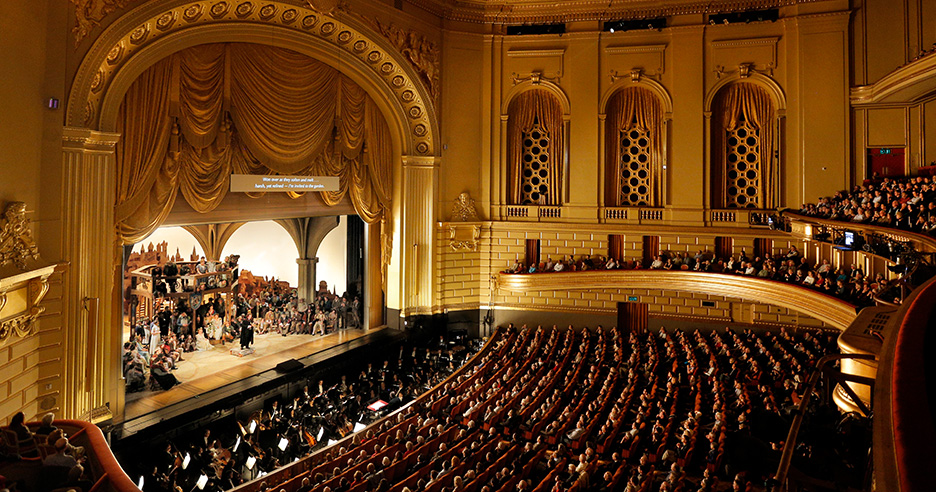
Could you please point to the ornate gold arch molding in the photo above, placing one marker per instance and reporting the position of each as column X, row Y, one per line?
column 536, row 82
column 156, row 29
column 748, row 75
column 638, row 80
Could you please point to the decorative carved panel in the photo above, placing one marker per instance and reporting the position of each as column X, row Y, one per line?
column 534, row 184
column 742, row 163
column 16, row 242
column 634, row 168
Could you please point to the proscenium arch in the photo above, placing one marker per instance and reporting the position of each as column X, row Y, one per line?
column 157, row 29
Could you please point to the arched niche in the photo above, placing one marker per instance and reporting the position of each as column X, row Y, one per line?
column 666, row 101
column 746, row 75
column 536, row 83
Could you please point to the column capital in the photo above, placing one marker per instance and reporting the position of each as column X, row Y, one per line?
column 85, row 138
column 412, row 161
column 307, row 261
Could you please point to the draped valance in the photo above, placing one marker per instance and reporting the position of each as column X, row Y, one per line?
column 204, row 113
column 640, row 107
column 747, row 103
column 538, row 106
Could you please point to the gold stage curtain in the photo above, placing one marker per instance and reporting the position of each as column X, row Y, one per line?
column 751, row 103
column 204, row 113
column 146, row 179
column 535, row 104
column 640, row 106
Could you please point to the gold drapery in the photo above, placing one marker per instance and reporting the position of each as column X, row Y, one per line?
column 744, row 101
column 640, row 106
column 539, row 105
column 204, row 113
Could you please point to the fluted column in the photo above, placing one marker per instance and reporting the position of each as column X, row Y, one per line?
column 91, row 365
column 306, row 287
column 420, row 188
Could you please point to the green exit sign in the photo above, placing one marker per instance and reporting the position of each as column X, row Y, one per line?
column 631, row 298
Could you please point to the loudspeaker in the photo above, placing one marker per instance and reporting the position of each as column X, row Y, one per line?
column 289, row 366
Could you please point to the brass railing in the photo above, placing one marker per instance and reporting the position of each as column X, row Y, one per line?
column 823, row 367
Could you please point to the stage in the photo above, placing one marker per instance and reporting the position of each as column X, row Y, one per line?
column 213, row 375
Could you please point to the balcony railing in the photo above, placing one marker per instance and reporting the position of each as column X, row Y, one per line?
column 535, row 212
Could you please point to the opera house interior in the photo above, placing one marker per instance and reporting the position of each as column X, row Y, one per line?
column 467, row 245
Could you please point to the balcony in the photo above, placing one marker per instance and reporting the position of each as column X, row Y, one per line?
column 831, row 310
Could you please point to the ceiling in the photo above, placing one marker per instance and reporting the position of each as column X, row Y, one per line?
column 543, row 11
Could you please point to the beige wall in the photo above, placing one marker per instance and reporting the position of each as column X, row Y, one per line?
column 33, row 43
column 806, row 56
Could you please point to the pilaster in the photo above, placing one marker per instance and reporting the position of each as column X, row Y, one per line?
column 420, row 187
column 91, row 368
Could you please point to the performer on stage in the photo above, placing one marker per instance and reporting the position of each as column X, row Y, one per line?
column 246, row 336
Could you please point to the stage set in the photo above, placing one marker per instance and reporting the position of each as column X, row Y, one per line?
column 213, row 375
column 173, row 305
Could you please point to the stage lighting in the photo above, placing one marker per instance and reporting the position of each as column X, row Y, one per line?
column 253, row 426
column 140, row 483
column 250, row 462
column 186, row 461
column 359, row 427
column 282, row 444
column 236, row 444
column 202, row 481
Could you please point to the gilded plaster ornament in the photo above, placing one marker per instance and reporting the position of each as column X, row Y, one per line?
column 90, row 13
column 16, row 242
column 463, row 210
column 422, row 53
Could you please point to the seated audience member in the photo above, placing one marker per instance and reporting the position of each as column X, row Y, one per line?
column 47, row 427
column 26, row 444
column 60, row 458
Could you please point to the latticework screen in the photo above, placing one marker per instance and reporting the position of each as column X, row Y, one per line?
column 535, row 181
column 743, row 163
column 635, row 167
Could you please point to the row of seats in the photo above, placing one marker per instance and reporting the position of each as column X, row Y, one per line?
column 551, row 409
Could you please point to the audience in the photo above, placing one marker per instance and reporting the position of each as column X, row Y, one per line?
column 850, row 283
column 901, row 203
column 541, row 410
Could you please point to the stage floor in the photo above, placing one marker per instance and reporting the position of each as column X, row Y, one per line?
column 210, row 370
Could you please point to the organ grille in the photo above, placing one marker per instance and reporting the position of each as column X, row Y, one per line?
column 743, row 163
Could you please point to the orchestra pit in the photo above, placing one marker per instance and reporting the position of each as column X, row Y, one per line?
column 467, row 245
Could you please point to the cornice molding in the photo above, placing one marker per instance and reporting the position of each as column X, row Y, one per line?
column 542, row 11
column 823, row 307
column 906, row 84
